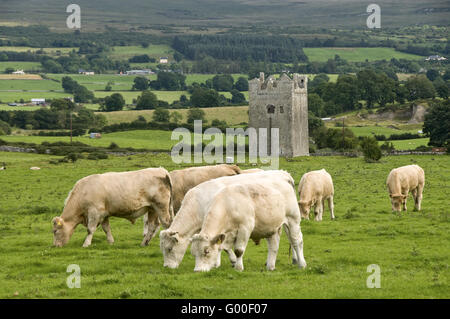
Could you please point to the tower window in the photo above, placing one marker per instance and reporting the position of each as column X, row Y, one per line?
column 271, row 109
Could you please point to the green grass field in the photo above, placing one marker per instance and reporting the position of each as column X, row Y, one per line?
column 26, row 66
column 410, row 248
column 7, row 97
column 28, row 85
column 357, row 54
column 154, row 50
column 233, row 115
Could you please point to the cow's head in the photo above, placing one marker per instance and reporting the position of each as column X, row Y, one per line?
column 397, row 201
column 61, row 232
column 173, row 247
column 206, row 251
column 305, row 207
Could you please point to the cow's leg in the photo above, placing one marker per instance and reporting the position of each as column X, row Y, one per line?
column 294, row 252
column 107, row 229
column 273, row 243
column 145, row 225
column 152, row 227
column 317, row 211
column 331, row 206
column 228, row 247
column 404, row 202
column 93, row 221
column 242, row 238
column 219, row 259
column 414, row 195
column 419, row 196
column 296, row 239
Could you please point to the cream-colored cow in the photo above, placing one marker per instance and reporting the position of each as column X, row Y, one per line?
column 182, row 181
column 401, row 181
column 175, row 240
column 314, row 188
column 256, row 209
column 128, row 195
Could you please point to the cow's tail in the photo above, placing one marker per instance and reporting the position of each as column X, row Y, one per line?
column 168, row 181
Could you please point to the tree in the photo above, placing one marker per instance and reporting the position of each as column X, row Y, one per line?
column 205, row 98
column 178, row 56
column 169, row 81
column 432, row 74
column 437, row 123
column 419, row 87
column 82, row 95
column 68, row 84
column 241, row 84
column 237, row 97
column 115, row 102
column 146, row 101
column 161, row 115
column 195, row 114
column 62, row 105
column 370, row 149
column 5, row 128
column 140, row 83
column 176, row 117
column 223, row 82
column 316, row 104
column 9, row 70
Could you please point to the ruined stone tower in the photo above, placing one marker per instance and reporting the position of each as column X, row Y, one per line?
column 283, row 104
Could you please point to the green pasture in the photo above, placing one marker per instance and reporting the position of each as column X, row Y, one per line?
column 19, row 65
column 411, row 248
column 28, row 85
column 7, row 97
column 154, row 50
column 357, row 54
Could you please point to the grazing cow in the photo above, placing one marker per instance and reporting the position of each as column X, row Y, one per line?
column 188, row 221
column 182, row 181
column 129, row 195
column 401, row 181
column 253, row 209
column 314, row 188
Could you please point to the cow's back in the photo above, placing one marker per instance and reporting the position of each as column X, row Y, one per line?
column 405, row 178
column 316, row 183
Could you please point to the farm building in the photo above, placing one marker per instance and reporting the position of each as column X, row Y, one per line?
column 139, row 72
column 19, row 72
column 84, row 72
column 435, row 58
column 95, row 135
column 38, row 101
column 164, row 60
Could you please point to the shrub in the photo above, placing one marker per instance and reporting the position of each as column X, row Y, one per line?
column 113, row 146
column 370, row 149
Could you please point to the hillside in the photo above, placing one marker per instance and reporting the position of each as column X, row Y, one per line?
column 137, row 13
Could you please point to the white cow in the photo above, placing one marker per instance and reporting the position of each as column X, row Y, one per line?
column 253, row 209
column 314, row 188
column 129, row 195
column 182, row 181
column 175, row 240
column 401, row 181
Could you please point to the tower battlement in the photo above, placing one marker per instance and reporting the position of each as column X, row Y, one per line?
column 282, row 103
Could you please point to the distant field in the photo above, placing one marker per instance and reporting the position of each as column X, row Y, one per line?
column 18, row 65
column 24, row 85
column 5, row 107
column 154, row 50
column 409, row 144
column 48, row 51
column 376, row 130
column 20, row 77
column 233, row 115
column 7, row 97
column 357, row 54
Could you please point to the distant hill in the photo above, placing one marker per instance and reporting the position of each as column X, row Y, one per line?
column 213, row 13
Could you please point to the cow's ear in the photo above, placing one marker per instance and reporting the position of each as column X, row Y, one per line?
column 58, row 222
column 219, row 239
column 174, row 235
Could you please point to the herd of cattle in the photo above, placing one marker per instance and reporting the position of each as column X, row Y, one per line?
column 216, row 208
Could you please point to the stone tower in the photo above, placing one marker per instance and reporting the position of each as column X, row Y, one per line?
column 283, row 104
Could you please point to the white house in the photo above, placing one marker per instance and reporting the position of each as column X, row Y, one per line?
column 38, row 101
column 164, row 60
column 435, row 58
